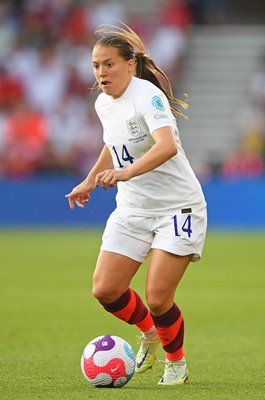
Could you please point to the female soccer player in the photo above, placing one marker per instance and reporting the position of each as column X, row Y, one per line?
column 160, row 205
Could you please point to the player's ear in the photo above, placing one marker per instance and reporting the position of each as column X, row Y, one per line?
column 130, row 65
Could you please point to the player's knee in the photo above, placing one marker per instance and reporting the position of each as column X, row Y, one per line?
column 99, row 293
column 159, row 302
column 99, row 290
column 104, row 294
column 155, row 304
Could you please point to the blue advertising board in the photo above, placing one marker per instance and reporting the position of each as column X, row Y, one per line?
column 238, row 204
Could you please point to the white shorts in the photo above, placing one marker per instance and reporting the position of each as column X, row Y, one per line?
column 182, row 233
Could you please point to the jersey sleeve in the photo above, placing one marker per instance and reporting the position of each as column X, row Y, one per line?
column 156, row 111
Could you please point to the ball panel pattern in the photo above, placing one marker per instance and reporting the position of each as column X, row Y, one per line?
column 108, row 361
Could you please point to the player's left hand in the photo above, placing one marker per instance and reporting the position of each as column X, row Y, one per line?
column 109, row 178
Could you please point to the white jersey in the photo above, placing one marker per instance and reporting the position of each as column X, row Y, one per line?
column 128, row 123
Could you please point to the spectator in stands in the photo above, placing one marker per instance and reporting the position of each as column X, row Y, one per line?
column 25, row 140
column 105, row 12
column 74, row 27
column 10, row 90
column 168, row 44
column 77, row 58
column 248, row 160
column 8, row 28
column 239, row 165
column 42, row 73
column 36, row 24
column 48, row 80
column 176, row 13
column 68, row 127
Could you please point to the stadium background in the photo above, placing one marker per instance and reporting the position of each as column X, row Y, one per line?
column 213, row 50
column 49, row 135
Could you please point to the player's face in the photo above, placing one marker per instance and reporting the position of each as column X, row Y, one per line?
column 112, row 72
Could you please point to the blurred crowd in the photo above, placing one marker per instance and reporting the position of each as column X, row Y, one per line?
column 248, row 158
column 47, row 118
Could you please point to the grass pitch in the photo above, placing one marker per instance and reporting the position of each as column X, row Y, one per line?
column 48, row 316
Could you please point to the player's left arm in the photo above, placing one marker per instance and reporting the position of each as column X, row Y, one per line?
column 164, row 148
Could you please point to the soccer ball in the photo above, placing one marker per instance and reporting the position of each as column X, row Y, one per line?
column 108, row 361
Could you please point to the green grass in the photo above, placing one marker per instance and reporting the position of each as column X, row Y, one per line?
column 48, row 315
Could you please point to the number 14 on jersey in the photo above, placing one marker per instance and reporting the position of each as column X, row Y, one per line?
column 124, row 156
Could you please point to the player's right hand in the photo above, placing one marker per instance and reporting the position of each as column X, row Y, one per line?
column 76, row 198
column 80, row 195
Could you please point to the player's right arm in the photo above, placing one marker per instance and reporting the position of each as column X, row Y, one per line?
column 81, row 193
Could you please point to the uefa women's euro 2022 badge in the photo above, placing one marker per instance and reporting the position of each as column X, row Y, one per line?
column 158, row 103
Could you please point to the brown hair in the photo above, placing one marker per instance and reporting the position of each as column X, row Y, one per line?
column 131, row 47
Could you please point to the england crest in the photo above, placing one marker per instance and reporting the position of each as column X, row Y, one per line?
column 133, row 127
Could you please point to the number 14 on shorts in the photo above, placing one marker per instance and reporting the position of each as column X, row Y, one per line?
column 184, row 227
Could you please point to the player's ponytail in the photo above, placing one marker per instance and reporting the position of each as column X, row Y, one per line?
column 130, row 46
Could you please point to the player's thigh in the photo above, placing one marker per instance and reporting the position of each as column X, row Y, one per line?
column 128, row 235
column 112, row 275
column 164, row 274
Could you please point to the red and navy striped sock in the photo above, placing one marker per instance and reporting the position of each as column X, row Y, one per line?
column 170, row 329
column 131, row 309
